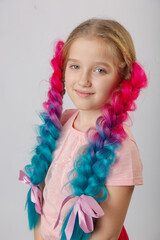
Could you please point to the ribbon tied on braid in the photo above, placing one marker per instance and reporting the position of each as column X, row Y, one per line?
column 86, row 207
column 36, row 195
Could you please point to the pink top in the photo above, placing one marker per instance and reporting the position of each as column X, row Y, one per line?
column 126, row 170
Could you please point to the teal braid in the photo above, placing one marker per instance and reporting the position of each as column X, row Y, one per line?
column 90, row 177
column 91, row 169
column 48, row 133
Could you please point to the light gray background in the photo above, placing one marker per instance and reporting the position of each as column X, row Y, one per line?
column 27, row 31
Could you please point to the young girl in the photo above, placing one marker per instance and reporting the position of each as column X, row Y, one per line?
column 86, row 162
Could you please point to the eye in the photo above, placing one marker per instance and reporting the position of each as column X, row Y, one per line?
column 74, row 66
column 100, row 70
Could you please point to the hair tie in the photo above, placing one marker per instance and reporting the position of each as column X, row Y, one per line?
column 86, row 207
column 36, row 195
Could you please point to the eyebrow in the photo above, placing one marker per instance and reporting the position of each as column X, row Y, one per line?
column 96, row 62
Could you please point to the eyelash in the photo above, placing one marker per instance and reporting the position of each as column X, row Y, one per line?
column 103, row 71
column 73, row 65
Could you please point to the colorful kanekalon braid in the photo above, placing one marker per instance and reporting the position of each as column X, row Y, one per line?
column 91, row 169
column 48, row 132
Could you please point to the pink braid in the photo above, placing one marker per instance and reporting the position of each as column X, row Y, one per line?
column 123, row 100
column 55, row 94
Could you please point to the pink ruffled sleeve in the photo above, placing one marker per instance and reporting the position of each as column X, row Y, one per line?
column 127, row 168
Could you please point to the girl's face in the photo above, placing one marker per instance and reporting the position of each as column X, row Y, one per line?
column 90, row 69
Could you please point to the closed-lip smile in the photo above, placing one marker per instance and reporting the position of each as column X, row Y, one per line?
column 80, row 91
column 83, row 94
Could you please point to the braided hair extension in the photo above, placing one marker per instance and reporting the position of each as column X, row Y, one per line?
column 48, row 132
column 91, row 169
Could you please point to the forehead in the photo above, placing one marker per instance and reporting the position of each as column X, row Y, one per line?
column 91, row 49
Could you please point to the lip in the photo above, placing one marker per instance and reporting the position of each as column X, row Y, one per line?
column 83, row 94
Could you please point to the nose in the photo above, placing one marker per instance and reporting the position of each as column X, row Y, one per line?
column 85, row 80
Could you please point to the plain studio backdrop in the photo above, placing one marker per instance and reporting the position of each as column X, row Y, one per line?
column 28, row 29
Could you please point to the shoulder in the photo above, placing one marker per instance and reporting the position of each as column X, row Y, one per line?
column 127, row 168
column 129, row 152
column 129, row 146
column 67, row 114
column 129, row 133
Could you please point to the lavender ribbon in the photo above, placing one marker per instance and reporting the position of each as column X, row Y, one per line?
column 86, row 207
column 36, row 195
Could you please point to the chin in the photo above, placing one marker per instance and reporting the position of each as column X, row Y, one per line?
column 84, row 107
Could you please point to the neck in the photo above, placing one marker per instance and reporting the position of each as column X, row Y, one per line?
column 86, row 119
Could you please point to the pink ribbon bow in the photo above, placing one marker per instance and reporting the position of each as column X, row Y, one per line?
column 36, row 195
column 86, row 207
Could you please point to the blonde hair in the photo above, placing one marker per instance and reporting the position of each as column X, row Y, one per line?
column 114, row 34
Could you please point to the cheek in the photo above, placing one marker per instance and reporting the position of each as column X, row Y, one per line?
column 112, row 83
column 106, row 87
column 103, row 86
column 69, row 79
